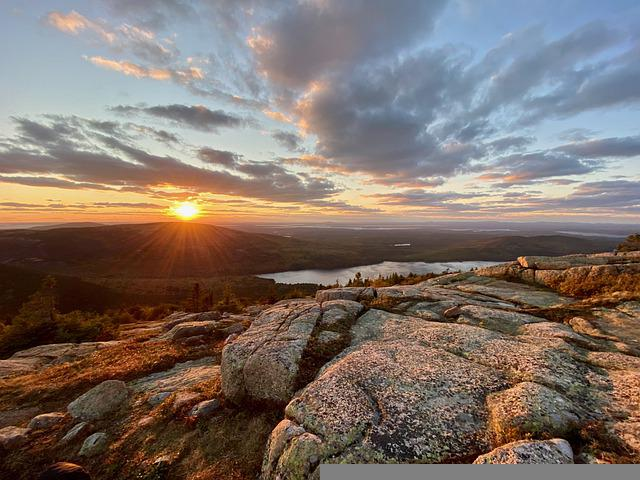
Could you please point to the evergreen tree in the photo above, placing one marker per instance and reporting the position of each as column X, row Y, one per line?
column 195, row 298
column 35, row 324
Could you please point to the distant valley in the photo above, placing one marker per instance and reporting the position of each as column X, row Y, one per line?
column 105, row 266
column 163, row 250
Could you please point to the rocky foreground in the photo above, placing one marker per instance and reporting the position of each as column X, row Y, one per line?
column 490, row 366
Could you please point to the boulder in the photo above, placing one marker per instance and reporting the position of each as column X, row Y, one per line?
column 191, row 329
column 184, row 400
column 555, row 451
column 530, row 409
column 94, row 444
column 13, row 437
column 76, row 432
column 205, row 409
column 340, row 312
column 46, row 420
column 263, row 363
column 180, row 377
column 346, row 293
column 64, row 470
column 100, row 401
column 177, row 318
column 279, row 440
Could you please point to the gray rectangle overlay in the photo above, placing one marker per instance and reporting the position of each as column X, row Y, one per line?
column 479, row 472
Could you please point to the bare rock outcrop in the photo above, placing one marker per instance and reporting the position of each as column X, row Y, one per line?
column 263, row 363
column 594, row 269
column 555, row 451
column 452, row 368
column 46, row 420
column 32, row 359
column 346, row 293
column 101, row 400
column 13, row 437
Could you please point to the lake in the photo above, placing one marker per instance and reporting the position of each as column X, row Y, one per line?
column 343, row 275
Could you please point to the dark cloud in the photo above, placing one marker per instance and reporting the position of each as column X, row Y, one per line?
column 604, row 147
column 127, row 205
column 604, row 194
column 41, row 181
column 432, row 112
column 289, row 140
column 342, row 207
column 509, row 143
column 190, row 116
column 546, row 61
column 423, row 198
column 310, row 39
column 526, row 167
column 119, row 164
column 219, row 157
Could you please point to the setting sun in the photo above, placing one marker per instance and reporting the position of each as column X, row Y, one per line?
column 185, row 210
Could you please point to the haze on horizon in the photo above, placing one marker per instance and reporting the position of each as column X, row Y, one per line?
column 320, row 110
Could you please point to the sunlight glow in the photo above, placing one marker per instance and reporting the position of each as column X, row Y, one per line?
column 185, row 210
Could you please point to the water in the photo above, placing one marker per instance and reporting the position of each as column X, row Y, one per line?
column 587, row 234
column 343, row 275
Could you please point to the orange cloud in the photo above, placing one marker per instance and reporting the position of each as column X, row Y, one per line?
column 278, row 116
column 131, row 69
column 139, row 71
column 73, row 23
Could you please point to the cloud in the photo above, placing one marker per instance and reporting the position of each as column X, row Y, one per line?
column 525, row 167
column 153, row 13
column 77, row 154
column 198, row 117
column 62, row 207
column 53, row 182
column 289, row 140
column 548, row 61
column 127, row 205
column 605, row 194
column 503, row 144
column 73, row 23
column 180, row 76
column 373, row 110
column 604, row 147
column 219, row 157
column 311, row 38
column 125, row 38
column 423, row 198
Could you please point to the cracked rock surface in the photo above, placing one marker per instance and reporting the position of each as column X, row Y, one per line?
column 460, row 368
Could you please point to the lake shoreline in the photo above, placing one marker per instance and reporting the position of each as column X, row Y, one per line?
column 371, row 271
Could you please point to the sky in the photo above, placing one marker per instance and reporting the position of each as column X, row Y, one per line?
column 314, row 110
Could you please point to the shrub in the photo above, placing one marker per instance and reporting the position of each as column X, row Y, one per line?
column 84, row 327
column 39, row 323
column 631, row 244
column 626, row 283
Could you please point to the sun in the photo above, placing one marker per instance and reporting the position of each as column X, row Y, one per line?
column 185, row 210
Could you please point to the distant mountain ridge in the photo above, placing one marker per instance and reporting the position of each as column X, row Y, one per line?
column 67, row 225
column 164, row 250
